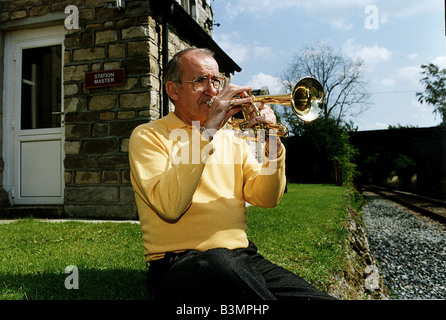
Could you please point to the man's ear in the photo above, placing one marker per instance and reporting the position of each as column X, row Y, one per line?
column 171, row 89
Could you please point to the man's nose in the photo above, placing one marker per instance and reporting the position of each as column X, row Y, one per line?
column 210, row 90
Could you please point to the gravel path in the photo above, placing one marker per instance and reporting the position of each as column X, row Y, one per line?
column 410, row 250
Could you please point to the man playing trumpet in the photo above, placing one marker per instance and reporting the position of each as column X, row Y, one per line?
column 193, row 211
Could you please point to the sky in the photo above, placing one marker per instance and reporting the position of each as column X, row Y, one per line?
column 393, row 37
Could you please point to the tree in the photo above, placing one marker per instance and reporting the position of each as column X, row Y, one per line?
column 323, row 147
column 314, row 154
column 434, row 81
column 341, row 77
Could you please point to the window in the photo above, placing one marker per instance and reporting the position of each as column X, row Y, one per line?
column 190, row 7
column 41, row 87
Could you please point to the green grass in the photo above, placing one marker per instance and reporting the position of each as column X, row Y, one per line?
column 34, row 255
column 304, row 233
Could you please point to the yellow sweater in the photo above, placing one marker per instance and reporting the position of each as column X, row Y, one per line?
column 191, row 193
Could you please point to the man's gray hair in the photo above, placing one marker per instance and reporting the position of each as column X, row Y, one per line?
column 172, row 71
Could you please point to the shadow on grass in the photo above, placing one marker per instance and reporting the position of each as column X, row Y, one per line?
column 93, row 285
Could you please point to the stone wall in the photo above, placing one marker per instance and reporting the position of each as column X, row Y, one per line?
column 99, row 121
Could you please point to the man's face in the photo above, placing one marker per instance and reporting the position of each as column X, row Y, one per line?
column 189, row 104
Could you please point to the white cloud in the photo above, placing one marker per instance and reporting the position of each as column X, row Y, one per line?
column 412, row 8
column 440, row 61
column 341, row 23
column 331, row 13
column 260, row 80
column 371, row 55
column 238, row 52
column 409, row 75
column 328, row 10
column 241, row 52
column 381, row 125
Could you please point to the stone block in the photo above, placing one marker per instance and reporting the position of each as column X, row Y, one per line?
column 116, row 51
column 130, row 83
column 110, row 176
column 70, row 104
column 70, row 89
column 86, row 16
column 136, row 66
column 87, row 116
column 93, row 2
column 125, row 176
column 114, row 161
column 103, row 102
column 125, row 22
column 139, row 48
column 102, row 211
column 77, row 130
column 124, row 129
column 72, row 147
column 39, row 11
column 74, row 73
column 91, row 194
column 126, row 194
column 111, row 65
column 18, row 14
column 71, row 41
column 105, row 13
column 106, row 36
column 125, row 145
column 87, row 177
column 100, row 130
column 99, row 146
column 67, row 177
column 75, row 162
column 89, row 54
column 135, row 100
column 136, row 32
column 106, row 116
column 87, row 39
column 23, row 4
column 126, row 114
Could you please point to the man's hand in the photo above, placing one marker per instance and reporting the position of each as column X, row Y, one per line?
column 224, row 106
column 266, row 116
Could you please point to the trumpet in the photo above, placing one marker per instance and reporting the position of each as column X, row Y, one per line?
column 306, row 100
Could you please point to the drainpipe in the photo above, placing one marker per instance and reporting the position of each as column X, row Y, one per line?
column 166, row 19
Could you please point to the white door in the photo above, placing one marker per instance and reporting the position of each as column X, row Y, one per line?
column 33, row 116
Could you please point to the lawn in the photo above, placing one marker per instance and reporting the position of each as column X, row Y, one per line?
column 108, row 256
column 304, row 233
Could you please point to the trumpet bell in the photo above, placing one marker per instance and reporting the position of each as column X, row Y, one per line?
column 307, row 99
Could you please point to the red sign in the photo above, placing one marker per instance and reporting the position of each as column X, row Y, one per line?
column 104, row 78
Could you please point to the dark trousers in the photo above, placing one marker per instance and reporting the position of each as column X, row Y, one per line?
column 241, row 274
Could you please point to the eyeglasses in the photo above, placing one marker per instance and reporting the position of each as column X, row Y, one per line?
column 200, row 84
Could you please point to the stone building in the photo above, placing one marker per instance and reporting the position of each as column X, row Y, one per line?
column 76, row 77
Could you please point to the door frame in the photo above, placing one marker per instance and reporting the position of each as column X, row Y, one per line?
column 28, row 38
